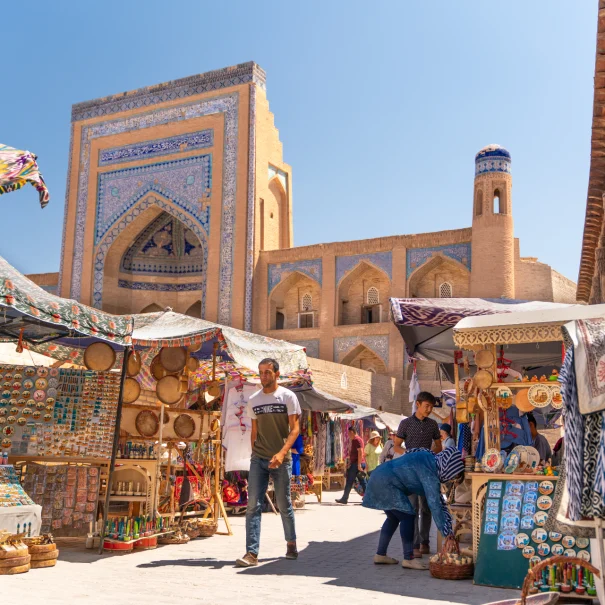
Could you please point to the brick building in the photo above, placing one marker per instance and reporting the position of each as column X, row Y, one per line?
column 178, row 196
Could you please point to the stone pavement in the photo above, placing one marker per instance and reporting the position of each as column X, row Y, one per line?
column 336, row 545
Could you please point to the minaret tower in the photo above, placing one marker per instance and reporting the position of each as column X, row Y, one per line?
column 493, row 242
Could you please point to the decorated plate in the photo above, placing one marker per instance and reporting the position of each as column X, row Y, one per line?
column 568, row 541
column 51, row 392
column 539, row 395
column 539, row 535
column 6, row 443
column 527, row 522
column 21, row 402
column 543, row 549
column 50, row 401
column 16, row 394
column 584, row 554
column 3, row 412
column 506, row 540
column 29, row 371
column 522, row 540
column 22, row 421
column 36, row 415
column 529, row 508
column 42, row 372
column 39, row 395
column 28, row 384
column 53, row 383
column 557, row 550
column 39, row 405
column 510, row 521
column 16, row 386
column 544, row 502
column 556, row 399
column 570, row 552
column 535, row 560
column 8, row 430
column 2, row 420
column 540, row 518
column 26, row 412
column 492, row 460
column 54, row 372
column 528, row 552
column 504, row 397
column 6, row 394
column 14, row 411
column 546, row 487
column 41, row 383
column 555, row 536
column 48, row 417
column 25, row 394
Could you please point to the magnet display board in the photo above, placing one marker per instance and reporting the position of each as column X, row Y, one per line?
column 514, row 514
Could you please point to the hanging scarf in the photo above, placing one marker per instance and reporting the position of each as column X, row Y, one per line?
column 17, row 168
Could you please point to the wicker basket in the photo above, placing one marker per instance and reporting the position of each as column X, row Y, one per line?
column 176, row 538
column 448, row 571
column 207, row 527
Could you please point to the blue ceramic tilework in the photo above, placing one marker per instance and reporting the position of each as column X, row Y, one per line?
column 164, row 247
column 185, row 182
column 251, row 211
column 67, row 187
column 278, row 273
column 382, row 260
column 312, row 347
column 169, row 91
column 155, row 287
column 416, row 257
column 150, row 149
column 492, row 158
column 103, row 248
column 378, row 344
column 228, row 106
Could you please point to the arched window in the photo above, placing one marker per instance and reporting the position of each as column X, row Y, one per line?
column 280, row 320
column 445, row 290
column 307, row 302
column 479, row 203
column 497, row 201
column 373, row 296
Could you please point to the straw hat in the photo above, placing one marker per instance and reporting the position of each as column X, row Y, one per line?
column 374, row 434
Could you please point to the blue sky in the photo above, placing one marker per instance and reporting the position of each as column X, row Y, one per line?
column 380, row 106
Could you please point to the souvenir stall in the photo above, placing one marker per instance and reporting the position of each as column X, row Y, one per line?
column 515, row 495
column 57, row 425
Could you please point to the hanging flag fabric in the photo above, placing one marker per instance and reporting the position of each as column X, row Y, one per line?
column 17, row 168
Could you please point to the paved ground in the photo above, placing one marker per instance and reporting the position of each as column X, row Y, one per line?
column 336, row 546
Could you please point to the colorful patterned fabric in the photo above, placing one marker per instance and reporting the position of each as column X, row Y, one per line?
column 20, row 293
column 17, row 168
column 449, row 464
column 592, row 500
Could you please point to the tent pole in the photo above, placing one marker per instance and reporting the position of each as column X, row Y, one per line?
column 114, row 451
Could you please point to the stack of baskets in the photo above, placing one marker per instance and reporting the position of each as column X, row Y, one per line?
column 14, row 557
column 43, row 551
column 178, row 537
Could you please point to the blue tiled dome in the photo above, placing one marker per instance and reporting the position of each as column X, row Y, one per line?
column 492, row 158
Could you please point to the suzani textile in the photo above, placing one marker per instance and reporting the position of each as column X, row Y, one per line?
column 17, row 168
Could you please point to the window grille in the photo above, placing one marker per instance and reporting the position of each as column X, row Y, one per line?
column 307, row 302
column 373, row 296
column 445, row 290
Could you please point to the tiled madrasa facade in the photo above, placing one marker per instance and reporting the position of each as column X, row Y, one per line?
column 178, row 196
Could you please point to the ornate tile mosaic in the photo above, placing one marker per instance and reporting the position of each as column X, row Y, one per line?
column 170, row 91
column 164, row 247
column 147, row 202
column 416, row 257
column 345, row 344
column 382, row 260
column 142, row 285
column 150, row 149
column 228, row 105
column 251, row 210
column 186, row 182
column 278, row 273
column 492, row 158
column 66, row 205
column 312, row 347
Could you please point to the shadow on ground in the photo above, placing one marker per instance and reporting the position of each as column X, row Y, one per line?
column 330, row 560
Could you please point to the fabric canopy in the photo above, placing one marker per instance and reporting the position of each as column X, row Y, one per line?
column 17, row 168
column 426, row 325
column 167, row 328
column 40, row 316
column 390, row 420
column 314, row 400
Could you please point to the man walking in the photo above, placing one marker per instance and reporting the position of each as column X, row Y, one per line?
column 356, row 461
column 420, row 431
column 275, row 415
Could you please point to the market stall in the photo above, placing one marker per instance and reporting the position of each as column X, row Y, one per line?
column 513, row 490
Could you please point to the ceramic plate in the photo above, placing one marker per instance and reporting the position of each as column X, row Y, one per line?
column 540, row 518
column 584, row 554
column 539, row 395
column 544, row 502
column 539, row 535
column 528, row 552
column 527, row 522
column 582, row 542
column 535, row 560
column 555, row 536
column 492, row 461
column 543, row 549
column 570, row 552
column 556, row 399
column 546, row 487
column 506, row 541
column 568, row 541
column 557, row 550
column 522, row 540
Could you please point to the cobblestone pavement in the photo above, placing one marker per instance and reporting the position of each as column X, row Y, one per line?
column 336, row 545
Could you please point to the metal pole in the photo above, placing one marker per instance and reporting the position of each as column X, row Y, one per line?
column 114, row 451
column 158, row 470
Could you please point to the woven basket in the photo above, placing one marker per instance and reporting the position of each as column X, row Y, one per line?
column 207, row 527
column 448, row 571
column 177, row 538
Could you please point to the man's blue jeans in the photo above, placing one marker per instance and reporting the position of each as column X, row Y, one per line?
column 258, row 481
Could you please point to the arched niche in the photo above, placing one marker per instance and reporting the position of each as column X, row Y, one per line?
column 426, row 280
column 364, row 358
column 290, row 298
column 275, row 218
column 151, row 257
column 152, row 308
column 195, row 310
column 364, row 283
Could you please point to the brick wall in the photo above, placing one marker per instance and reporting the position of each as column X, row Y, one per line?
column 563, row 289
column 364, row 388
column 354, row 291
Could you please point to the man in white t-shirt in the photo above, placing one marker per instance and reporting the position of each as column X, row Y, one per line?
column 275, row 413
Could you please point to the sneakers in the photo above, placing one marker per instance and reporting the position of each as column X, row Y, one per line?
column 417, row 553
column 341, row 501
column 425, row 549
column 248, row 560
column 291, row 552
column 384, row 560
column 414, row 564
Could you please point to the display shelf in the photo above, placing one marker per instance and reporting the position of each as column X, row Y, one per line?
column 117, row 498
column 114, row 541
column 523, row 385
column 57, row 460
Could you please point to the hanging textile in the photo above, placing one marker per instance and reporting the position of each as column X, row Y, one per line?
column 17, row 168
column 464, row 439
column 414, row 389
column 592, row 500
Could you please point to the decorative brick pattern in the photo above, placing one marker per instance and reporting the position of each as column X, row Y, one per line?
column 150, row 149
column 186, row 182
column 312, row 347
column 416, row 257
column 157, row 287
column 251, row 215
column 382, row 260
column 311, row 268
column 378, row 344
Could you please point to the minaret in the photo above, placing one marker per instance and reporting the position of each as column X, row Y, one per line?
column 493, row 243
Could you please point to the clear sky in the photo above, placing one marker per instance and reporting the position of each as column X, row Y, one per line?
column 381, row 106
